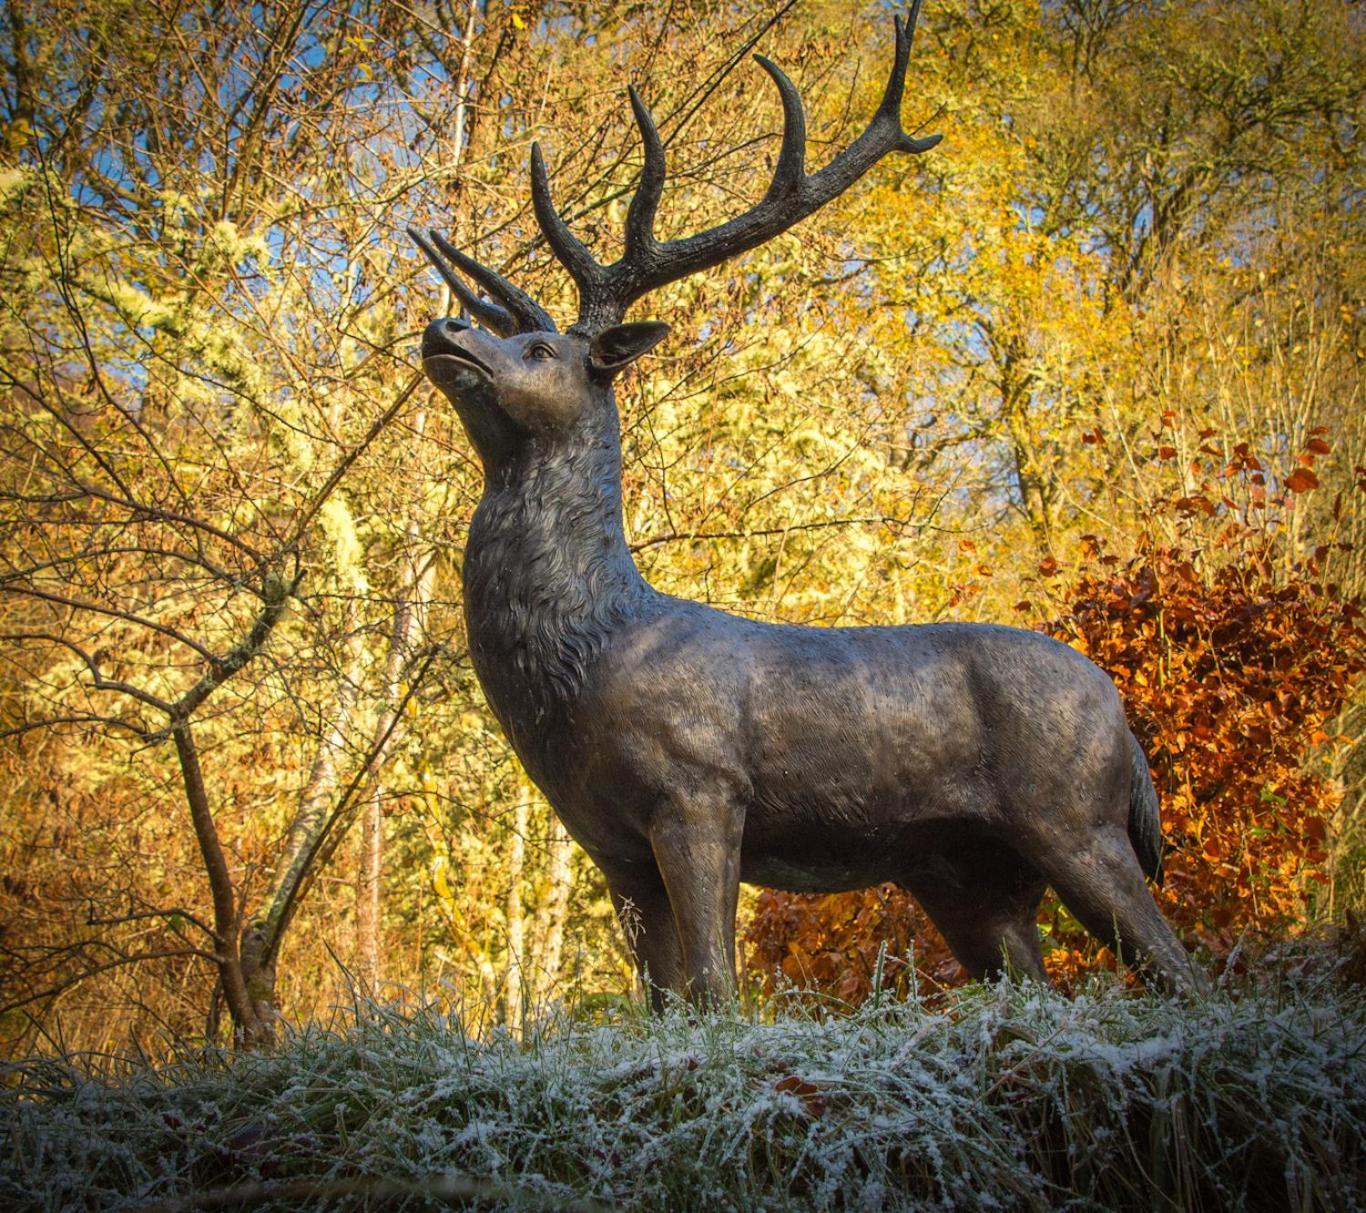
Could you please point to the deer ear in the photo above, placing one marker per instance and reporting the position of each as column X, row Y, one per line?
column 622, row 344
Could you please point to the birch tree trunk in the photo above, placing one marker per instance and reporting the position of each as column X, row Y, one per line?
column 551, row 916
column 514, row 976
column 410, row 613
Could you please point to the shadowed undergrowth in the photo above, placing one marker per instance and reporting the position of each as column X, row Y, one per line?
column 1009, row 1097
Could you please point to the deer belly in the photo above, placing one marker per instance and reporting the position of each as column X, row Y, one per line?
column 818, row 823
column 847, row 817
column 822, row 859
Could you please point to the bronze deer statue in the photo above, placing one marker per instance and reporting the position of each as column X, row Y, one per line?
column 687, row 749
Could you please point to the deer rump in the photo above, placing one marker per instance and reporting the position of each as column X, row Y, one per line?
column 687, row 749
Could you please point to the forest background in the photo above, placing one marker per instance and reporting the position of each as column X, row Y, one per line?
column 1092, row 365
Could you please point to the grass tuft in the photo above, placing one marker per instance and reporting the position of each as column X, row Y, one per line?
column 1010, row 1097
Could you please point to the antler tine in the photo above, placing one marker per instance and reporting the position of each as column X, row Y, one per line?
column 790, row 171
column 526, row 314
column 640, row 215
column 896, row 82
column 490, row 315
column 569, row 250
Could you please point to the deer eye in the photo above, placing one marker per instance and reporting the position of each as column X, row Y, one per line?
column 541, row 352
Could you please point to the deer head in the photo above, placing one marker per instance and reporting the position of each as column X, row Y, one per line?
column 517, row 380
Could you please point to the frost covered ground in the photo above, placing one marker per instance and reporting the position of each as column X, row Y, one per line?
column 1008, row 1098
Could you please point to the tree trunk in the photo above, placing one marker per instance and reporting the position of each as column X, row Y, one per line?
column 318, row 792
column 552, row 915
column 258, row 974
column 251, row 1005
column 413, row 597
column 514, row 978
column 369, row 966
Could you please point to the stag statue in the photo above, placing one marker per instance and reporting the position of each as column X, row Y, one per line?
column 687, row 749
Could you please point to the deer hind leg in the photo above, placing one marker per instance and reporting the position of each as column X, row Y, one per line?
column 1099, row 879
column 984, row 899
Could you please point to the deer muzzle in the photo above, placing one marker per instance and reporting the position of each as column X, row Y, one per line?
column 446, row 353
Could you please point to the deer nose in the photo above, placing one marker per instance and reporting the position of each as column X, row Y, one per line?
column 440, row 333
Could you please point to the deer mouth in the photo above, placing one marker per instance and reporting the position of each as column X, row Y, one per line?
column 449, row 364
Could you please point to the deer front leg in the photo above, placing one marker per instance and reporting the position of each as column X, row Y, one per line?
column 647, row 921
column 697, row 848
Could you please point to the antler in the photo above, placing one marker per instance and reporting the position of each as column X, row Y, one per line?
column 517, row 312
column 605, row 292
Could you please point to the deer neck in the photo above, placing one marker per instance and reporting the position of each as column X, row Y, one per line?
column 547, row 577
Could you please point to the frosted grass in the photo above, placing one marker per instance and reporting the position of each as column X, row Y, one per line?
column 1003, row 1098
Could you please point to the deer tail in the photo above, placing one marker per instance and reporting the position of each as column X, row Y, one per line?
column 1145, row 826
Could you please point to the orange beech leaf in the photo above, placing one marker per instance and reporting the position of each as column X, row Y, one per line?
column 812, row 1100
